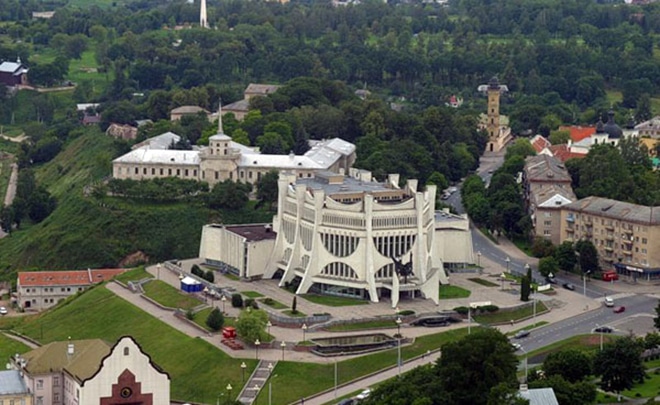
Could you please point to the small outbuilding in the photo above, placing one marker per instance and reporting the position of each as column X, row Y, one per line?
column 190, row 285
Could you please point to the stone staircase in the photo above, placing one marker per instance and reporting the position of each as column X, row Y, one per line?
column 256, row 382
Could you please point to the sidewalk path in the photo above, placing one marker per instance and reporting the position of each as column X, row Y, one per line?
column 371, row 380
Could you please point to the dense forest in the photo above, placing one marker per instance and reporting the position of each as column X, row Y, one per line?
column 563, row 62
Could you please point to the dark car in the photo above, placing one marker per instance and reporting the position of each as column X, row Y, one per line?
column 550, row 280
column 568, row 286
column 618, row 310
column 432, row 321
column 521, row 334
column 347, row 401
column 604, row 329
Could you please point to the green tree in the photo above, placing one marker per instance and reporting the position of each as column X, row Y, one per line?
column 565, row 256
column 439, row 180
column 240, row 136
column 272, row 143
column 521, row 147
column 547, row 266
column 215, row 320
column 251, row 325
column 267, row 188
column 420, row 386
column 525, row 288
column 588, row 256
column 229, row 195
column 572, row 364
column 6, row 219
column 469, row 368
column 559, row 137
column 294, row 305
column 542, row 247
column 620, row 365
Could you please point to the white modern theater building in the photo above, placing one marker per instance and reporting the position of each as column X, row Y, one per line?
column 341, row 235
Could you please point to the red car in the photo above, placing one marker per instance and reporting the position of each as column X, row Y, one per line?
column 618, row 310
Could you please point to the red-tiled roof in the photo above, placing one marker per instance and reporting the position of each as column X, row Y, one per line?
column 578, row 133
column 539, row 143
column 73, row 277
column 563, row 153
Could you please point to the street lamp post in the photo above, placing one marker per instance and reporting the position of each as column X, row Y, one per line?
column 469, row 319
column 601, row 336
column 508, row 262
column 283, row 345
column 268, row 325
column 304, row 329
column 223, row 299
column 398, row 327
column 525, row 351
column 158, row 270
column 502, row 277
column 534, row 316
column 229, row 388
column 243, row 367
column 270, row 384
column 335, row 376
column 584, row 282
column 256, row 345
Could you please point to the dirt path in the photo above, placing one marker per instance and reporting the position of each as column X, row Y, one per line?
column 18, row 139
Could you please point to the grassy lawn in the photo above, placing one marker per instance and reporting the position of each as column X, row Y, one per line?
column 298, row 314
column 483, row 282
column 9, row 347
column 602, row 398
column 589, row 342
column 134, row 275
column 453, row 291
column 297, row 380
column 385, row 323
column 196, row 367
column 650, row 387
column 505, row 316
column 232, row 277
column 273, row 303
column 200, row 319
column 166, row 295
column 252, row 294
column 332, row 301
column 530, row 327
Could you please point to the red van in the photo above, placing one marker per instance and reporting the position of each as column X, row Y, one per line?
column 610, row 276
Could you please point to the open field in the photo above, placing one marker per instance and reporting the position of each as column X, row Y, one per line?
column 9, row 347
column 168, row 296
column 196, row 367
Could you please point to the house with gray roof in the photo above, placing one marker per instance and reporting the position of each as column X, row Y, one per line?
column 13, row 389
column 626, row 235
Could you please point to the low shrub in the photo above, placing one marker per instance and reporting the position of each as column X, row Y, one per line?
column 237, row 300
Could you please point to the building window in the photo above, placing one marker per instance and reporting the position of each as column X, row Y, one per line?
column 186, row 173
column 546, row 232
column 137, row 171
column 153, row 171
column 169, row 172
column 249, row 175
column 547, row 223
column 144, row 170
column 178, row 172
column 125, row 351
column 56, row 397
column 644, row 241
column 195, row 172
column 161, row 171
column 40, row 384
column 217, row 174
column 40, row 401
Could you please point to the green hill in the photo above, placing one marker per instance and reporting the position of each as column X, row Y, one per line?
column 88, row 232
column 196, row 368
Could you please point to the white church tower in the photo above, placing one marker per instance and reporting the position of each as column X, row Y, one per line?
column 203, row 22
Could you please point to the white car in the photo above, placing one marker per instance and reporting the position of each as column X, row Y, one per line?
column 516, row 346
column 3, row 311
column 364, row 394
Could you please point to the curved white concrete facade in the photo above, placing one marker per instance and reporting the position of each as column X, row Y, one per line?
column 340, row 233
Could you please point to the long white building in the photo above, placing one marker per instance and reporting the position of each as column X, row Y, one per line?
column 225, row 159
column 341, row 235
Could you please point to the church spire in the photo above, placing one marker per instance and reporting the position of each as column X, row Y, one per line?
column 203, row 22
column 220, row 131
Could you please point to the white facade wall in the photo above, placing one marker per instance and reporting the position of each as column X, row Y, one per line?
column 328, row 242
column 126, row 355
column 41, row 298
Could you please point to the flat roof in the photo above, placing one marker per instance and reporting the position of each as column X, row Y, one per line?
column 349, row 185
column 253, row 232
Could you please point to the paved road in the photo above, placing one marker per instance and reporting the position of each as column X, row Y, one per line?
column 636, row 306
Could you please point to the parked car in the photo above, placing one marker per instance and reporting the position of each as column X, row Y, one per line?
column 452, row 190
column 568, row 286
column 609, row 302
column 516, row 346
column 347, row 401
column 3, row 311
column 521, row 334
column 445, row 196
column 604, row 329
column 620, row 309
column 364, row 394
